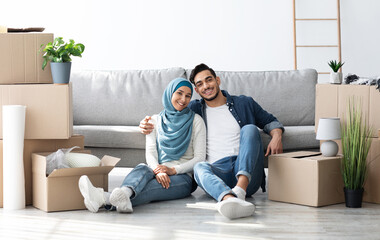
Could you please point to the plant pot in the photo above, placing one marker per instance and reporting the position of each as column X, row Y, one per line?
column 60, row 72
column 353, row 198
column 336, row 77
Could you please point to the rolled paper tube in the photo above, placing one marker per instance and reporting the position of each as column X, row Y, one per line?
column 13, row 163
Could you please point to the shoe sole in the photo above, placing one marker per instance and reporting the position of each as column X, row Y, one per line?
column 120, row 201
column 233, row 210
column 84, row 185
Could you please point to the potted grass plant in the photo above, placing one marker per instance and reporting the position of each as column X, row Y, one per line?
column 335, row 76
column 355, row 146
column 59, row 53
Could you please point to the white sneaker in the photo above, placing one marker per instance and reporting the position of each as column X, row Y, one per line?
column 93, row 197
column 235, row 208
column 120, row 199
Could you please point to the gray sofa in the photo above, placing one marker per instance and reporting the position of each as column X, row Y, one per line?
column 108, row 106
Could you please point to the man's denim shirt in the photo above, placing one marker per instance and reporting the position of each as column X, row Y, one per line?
column 246, row 111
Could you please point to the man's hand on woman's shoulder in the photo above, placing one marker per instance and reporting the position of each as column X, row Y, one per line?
column 145, row 126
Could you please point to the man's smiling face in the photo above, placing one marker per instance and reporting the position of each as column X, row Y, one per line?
column 206, row 85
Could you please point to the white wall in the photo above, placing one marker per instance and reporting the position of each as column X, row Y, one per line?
column 226, row 34
column 361, row 37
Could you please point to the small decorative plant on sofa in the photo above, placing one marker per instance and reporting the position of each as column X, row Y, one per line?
column 335, row 76
column 59, row 53
column 355, row 143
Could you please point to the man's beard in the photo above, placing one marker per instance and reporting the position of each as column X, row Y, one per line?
column 212, row 98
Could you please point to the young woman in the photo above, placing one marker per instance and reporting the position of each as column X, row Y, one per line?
column 177, row 142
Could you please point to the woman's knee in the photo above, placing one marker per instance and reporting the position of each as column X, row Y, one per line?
column 142, row 168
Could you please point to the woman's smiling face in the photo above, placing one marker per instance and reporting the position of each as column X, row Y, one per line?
column 181, row 98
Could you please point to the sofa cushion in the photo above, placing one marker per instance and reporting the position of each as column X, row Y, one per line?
column 119, row 97
column 295, row 138
column 289, row 95
column 111, row 136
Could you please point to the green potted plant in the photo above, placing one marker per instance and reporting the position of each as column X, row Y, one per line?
column 59, row 53
column 355, row 146
column 335, row 76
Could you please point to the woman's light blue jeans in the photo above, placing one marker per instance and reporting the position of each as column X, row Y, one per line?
column 218, row 178
column 146, row 189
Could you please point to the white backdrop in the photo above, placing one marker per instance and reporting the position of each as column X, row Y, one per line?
column 226, row 34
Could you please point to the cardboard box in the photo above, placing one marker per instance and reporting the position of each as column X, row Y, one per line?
column 305, row 178
column 49, row 113
column 32, row 146
column 20, row 59
column 372, row 184
column 331, row 101
column 59, row 191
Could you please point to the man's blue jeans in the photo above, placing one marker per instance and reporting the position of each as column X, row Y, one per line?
column 218, row 178
column 146, row 189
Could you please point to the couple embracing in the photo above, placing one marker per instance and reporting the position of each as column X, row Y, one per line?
column 214, row 141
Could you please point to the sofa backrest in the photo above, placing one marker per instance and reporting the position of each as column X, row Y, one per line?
column 126, row 97
column 119, row 97
column 288, row 95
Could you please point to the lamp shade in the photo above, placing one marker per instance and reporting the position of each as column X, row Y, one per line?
column 328, row 129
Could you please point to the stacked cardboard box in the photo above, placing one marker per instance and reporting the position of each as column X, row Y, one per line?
column 372, row 185
column 331, row 101
column 49, row 118
column 20, row 59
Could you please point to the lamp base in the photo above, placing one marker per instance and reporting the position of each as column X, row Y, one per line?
column 329, row 148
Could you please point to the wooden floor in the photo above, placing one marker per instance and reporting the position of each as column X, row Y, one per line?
column 195, row 217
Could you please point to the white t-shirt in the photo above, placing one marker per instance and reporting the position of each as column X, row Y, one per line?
column 223, row 133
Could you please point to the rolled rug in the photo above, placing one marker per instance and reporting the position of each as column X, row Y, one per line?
column 13, row 162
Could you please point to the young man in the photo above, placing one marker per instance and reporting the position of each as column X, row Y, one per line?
column 234, row 167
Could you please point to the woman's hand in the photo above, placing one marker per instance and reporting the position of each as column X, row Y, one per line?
column 163, row 179
column 165, row 169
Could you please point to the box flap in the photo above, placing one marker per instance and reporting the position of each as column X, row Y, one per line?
column 39, row 163
column 109, row 161
column 300, row 154
column 323, row 158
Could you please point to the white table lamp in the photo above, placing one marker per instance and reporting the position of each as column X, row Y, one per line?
column 328, row 130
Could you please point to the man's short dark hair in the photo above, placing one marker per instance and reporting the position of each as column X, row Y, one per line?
column 199, row 68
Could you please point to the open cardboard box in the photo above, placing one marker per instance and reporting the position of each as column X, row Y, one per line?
column 32, row 146
column 305, row 178
column 59, row 191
